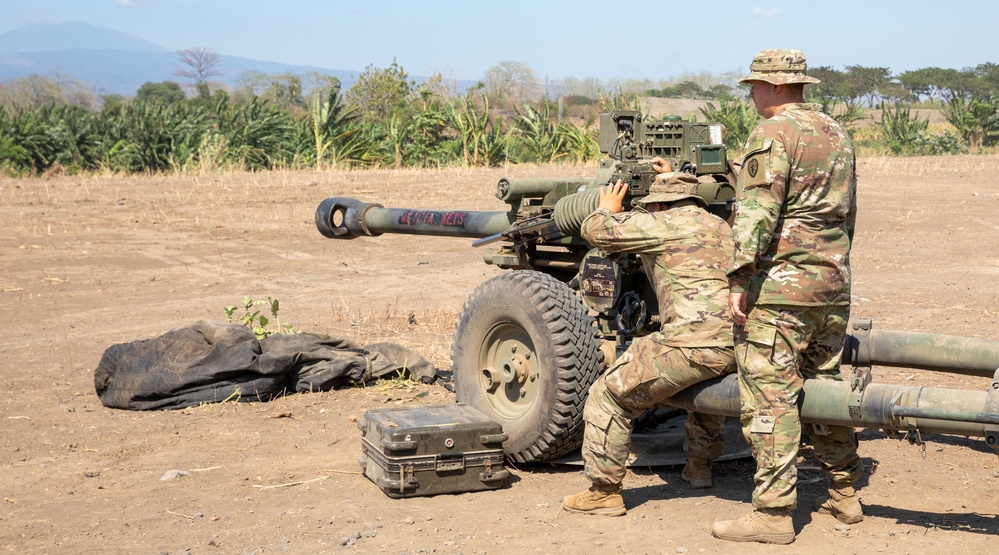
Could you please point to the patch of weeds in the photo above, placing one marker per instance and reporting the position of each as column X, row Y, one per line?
column 253, row 319
column 232, row 400
column 401, row 380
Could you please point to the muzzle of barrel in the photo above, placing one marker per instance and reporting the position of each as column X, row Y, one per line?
column 343, row 218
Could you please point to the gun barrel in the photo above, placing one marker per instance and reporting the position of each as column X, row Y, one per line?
column 510, row 190
column 968, row 356
column 887, row 406
column 892, row 407
column 347, row 218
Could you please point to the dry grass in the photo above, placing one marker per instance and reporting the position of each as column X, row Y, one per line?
column 873, row 166
column 428, row 332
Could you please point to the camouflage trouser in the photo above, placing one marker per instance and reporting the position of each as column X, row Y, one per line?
column 647, row 374
column 780, row 347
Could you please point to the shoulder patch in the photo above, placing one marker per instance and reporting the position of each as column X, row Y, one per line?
column 756, row 170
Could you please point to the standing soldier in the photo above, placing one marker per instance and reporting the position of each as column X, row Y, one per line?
column 685, row 251
column 790, row 293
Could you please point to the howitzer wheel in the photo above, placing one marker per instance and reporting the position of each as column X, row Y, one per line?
column 525, row 353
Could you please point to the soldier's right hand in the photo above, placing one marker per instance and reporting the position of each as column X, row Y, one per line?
column 737, row 308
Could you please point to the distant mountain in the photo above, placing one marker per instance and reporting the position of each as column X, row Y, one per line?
column 37, row 37
column 113, row 62
column 120, row 72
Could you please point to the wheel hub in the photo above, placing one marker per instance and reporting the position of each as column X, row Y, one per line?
column 509, row 371
column 514, row 370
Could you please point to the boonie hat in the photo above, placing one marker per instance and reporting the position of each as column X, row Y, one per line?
column 671, row 187
column 779, row 66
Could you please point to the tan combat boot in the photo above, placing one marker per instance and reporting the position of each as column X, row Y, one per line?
column 761, row 525
column 697, row 472
column 842, row 503
column 598, row 500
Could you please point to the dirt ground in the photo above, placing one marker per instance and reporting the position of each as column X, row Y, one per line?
column 86, row 262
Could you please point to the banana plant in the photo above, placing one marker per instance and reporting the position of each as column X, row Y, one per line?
column 738, row 117
column 337, row 135
column 536, row 130
column 901, row 129
column 977, row 120
column 397, row 134
column 469, row 117
column 581, row 143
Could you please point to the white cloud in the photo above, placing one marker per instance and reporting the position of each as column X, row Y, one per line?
column 766, row 12
column 134, row 3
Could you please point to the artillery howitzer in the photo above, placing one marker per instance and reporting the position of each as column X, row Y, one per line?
column 530, row 342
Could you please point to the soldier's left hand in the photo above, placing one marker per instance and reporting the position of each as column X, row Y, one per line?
column 612, row 197
column 661, row 165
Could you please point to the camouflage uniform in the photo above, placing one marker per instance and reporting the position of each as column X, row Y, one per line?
column 796, row 208
column 686, row 250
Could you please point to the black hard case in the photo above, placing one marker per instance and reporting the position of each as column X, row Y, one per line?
column 444, row 448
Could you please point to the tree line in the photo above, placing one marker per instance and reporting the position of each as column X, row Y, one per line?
column 387, row 119
column 384, row 120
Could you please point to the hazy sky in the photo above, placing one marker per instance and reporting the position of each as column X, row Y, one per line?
column 606, row 39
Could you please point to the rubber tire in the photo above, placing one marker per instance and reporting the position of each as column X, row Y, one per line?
column 565, row 350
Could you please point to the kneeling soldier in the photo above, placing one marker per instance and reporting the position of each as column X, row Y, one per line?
column 686, row 250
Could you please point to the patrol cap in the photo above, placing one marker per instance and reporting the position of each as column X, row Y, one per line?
column 671, row 187
column 779, row 66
